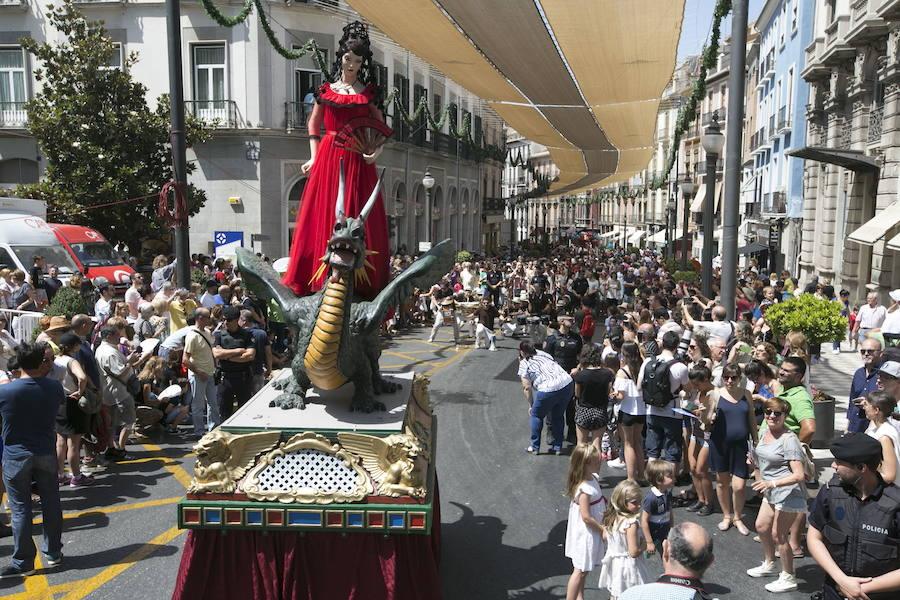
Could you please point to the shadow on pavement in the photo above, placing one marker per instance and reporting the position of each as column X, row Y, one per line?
column 479, row 565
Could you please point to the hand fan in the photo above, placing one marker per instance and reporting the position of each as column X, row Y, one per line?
column 363, row 135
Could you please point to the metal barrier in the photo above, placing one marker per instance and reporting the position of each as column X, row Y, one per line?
column 21, row 322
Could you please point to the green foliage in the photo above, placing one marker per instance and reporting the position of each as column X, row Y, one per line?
column 198, row 276
column 102, row 141
column 819, row 320
column 464, row 256
column 688, row 276
column 67, row 302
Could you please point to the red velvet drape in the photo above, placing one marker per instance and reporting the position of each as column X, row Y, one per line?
column 252, row 565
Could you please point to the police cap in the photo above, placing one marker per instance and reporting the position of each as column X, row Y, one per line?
column 856, row 448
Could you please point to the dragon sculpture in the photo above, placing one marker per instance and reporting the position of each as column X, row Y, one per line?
column 223, row 458
column 337, row 336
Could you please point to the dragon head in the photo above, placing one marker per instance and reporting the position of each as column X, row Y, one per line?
column 213, row 447
column 346, row 250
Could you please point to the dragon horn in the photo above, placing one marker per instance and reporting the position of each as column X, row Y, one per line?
column 339, row 205
column 371, row 201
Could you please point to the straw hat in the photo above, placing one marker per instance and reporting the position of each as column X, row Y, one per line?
column 58, row 324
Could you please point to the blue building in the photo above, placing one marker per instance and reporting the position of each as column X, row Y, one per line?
column 785, row 30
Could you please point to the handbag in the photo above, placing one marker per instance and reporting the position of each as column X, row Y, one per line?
column 132, row 384
column 91, row 400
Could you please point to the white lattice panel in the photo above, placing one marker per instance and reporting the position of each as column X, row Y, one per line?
column 308, row 469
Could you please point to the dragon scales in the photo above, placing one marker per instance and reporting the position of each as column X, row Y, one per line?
column 337, row 336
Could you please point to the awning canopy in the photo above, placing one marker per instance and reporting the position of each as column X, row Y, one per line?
column 660, row 236
column 582, row 77
column 894, row 243
column 752, row 248
column 608, row 234
column 855, row 160
column 877, row 227
column 635, row 237
column 697, row 204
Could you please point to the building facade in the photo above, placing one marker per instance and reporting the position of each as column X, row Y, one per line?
column 250, row 169
column 851, row 213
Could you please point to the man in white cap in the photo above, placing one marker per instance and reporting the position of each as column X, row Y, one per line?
column 871, row 316
column 889, row 378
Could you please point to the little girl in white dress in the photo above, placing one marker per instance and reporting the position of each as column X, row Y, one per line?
column 623, row 565
column 584, row 542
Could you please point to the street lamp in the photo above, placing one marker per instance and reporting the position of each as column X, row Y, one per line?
column 670, row 228
column 687, row 192
column 713, row 141
column 428, row 183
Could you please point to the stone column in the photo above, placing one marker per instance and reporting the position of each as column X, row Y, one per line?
column 815, row 118
column 836, row 138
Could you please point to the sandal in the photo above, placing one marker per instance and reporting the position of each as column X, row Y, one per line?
column 725, row 524
column 742, row 529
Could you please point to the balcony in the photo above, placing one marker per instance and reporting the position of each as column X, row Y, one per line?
column 837, row 49
column 706, row 119
column 815, row 68
column 221, row 114
column 493, row 206
column 784, row 120
column 13, row 115
column 774, row 203
column 700, row 168
column 295, row 116
column 772, row 130
column 759, row 141
column 887, row 9
column 876, row 118
column 865, row 24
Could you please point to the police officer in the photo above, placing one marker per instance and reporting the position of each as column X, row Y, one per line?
column 541, row 309
column 565, row 347
column 854, row 532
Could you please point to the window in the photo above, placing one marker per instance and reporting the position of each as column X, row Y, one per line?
column 401, row 129
column 420, row 94
column 789, row 92
column 307, row 79
column 209, row 80
column 12, row 80
column 794, row 15
column 115, row 58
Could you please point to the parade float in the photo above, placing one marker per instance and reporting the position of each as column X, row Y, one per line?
column 323, row 485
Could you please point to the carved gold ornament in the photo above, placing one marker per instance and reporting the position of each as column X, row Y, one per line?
column 391, row 461
column 308, row 469
column 223, row 458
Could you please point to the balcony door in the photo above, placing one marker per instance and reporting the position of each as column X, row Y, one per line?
column 210, row 102
column 12, row 86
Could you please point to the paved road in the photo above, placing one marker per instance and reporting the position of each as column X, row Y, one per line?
column 503, row 511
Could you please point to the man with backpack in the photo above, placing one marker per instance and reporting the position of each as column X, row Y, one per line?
column 661, row 379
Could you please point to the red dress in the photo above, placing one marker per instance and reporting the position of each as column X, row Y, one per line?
column 315, row 219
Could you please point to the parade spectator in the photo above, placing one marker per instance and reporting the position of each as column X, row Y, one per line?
column 698, row 446
column 732, row 423
column 871, row 316
column 865, row 380
column 565, row 348
column 889, row 378
column 7, row 342
column 262, row 362
column 117, row 369
column 234, row 352
column 656, row 509
column 179, row 307
column 208, row 299
column 686, row 555
column 623, row 565
column 593, row 384
column 879, row 407
column 133, row 298
column 890, row 328
column 584, row 540
column 200, row 363
column 162, row 272
column 143, row 328
column 548, row 389
column 632, row 410
column 668, row 376
column 224, row 296
column 71, row 421
column 103, row 308
column 719, row 327
column 52, row 282
column 858, row 500
column 780, row 478
column 22, row 296
column 28, row 407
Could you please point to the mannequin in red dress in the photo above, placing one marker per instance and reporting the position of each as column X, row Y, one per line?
column 348, row 97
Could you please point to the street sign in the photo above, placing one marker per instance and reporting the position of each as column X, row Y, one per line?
column 424, row 246
column 226, row 243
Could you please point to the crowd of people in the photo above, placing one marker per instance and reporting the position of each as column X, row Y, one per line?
column 625, row 364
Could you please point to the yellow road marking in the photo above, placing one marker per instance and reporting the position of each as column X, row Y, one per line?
column 402, row 355
column 84, row 587
column 176, row 470
column 135, row 461
column 107, row 510
column 438, row 366
column 37, row 585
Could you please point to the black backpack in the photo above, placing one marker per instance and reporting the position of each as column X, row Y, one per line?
column 656, row 386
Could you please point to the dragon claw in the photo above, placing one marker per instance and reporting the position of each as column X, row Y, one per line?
column 288, row 401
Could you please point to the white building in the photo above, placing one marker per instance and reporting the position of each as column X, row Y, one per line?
column 234, row 75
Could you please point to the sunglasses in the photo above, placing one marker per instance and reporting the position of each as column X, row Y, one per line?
column 730, row 378
column 867, row 351
column 774, row 413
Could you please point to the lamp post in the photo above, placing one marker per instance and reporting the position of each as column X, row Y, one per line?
column 687, row 192
column 545, row 206
column 713, row 141
column 624, row 220
column 428, row 183
column 670, row 228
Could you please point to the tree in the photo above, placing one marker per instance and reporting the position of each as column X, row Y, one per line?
column 102, row 141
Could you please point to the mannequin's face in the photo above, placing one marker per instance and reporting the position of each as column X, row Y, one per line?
column 350, row 66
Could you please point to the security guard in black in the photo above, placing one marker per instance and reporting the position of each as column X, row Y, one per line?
column 854, row 531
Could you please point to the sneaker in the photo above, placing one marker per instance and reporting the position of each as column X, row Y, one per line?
column 531, row 450
column 62, row 478
column 617, row 463
column 11, row 572
column 695, row 506
column 765, row 569
column 81, row 480
column 556, row 450
column 53, row 561
column 493, row 348
column 705, row 510
column 835, row 351
column 786, row 582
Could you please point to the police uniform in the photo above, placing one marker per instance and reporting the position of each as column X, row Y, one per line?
column 862, row 536
column 565, row 348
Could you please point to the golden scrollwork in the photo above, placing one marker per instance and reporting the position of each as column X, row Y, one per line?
column 223, row 458
column 393, row 462
column 308, row 440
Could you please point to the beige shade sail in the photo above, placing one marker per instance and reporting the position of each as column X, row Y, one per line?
column 582, row 77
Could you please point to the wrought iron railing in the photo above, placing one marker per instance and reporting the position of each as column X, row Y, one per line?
column 876, row 119
column 296, row 115
column 784, row 119
column 13, row 114
column 222, row 114
column 843, row 142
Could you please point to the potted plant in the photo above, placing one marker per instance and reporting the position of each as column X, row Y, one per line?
column 820, row 321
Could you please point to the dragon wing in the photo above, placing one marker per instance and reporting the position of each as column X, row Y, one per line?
column 424, row 272
column 371, row 450
column 263, row 280
column 245, row 449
